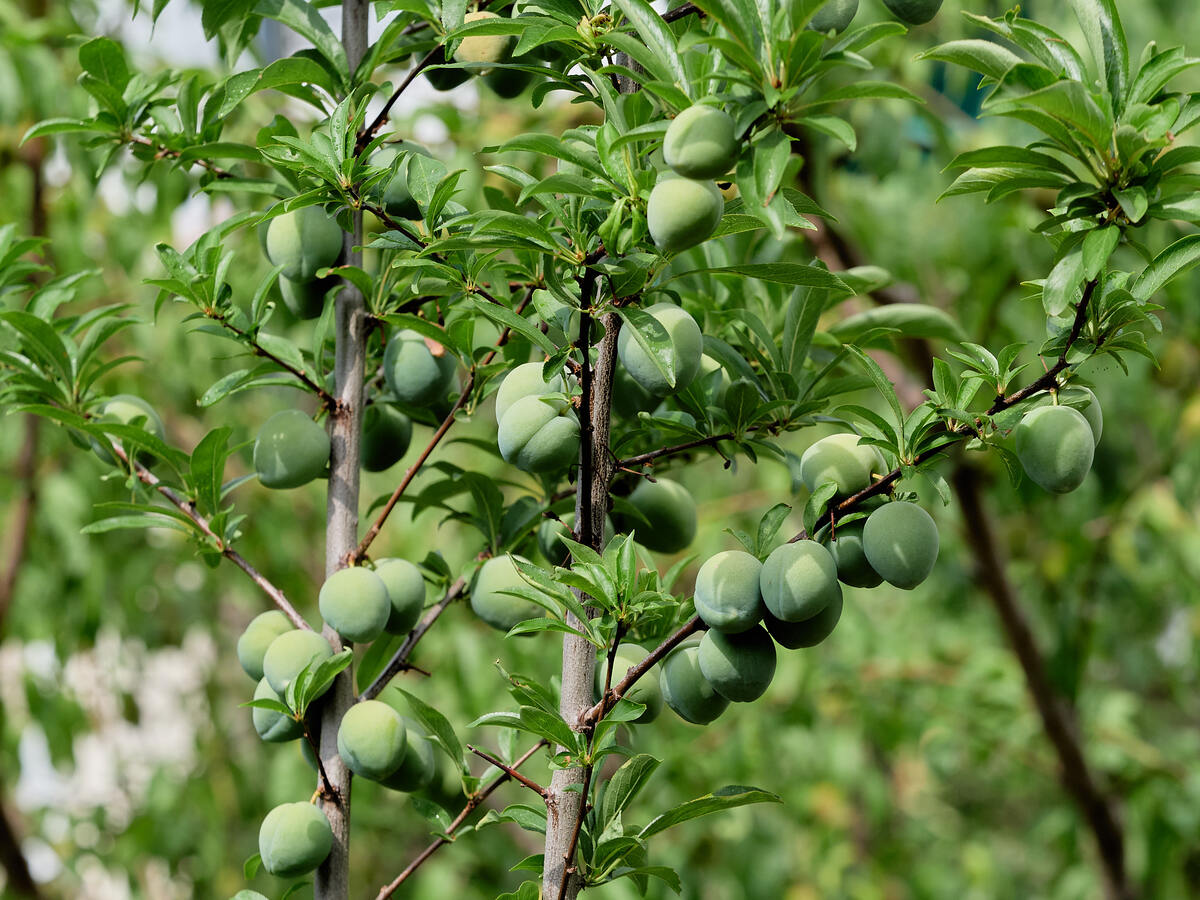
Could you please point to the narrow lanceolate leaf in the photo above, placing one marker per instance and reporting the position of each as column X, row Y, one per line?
column 625, row 784
column 986, row 57
column 721, row 799
column 1106, row 37
column 653, row 338
column 1098, row 246
column 436, row 724
column 304, row 19
column 657, row 35
column 1179, row 257
column 207, row 468
column 782, row 273
column 906, row 320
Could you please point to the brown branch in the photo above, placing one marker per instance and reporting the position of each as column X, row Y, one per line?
column 643, row 458
column 1060, row 728
column 473, row 803
column 681, row 12
column 188, row 508
column 399, row 661
column 327, row 399
column 163, row 152
column 509, row 771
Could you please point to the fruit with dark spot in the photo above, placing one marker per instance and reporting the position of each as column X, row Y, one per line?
column 900, row 541
column 294, row 839
column 1055, row 445
column 290, row 450
column 799, row 580
column 738, row 666
column 728, row 596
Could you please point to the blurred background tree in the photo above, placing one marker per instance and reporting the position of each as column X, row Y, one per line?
column 909, row 753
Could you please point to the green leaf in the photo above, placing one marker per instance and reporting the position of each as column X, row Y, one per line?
column 215, row 13
column 1063, row 282
column 721, row 799
column 1102, row 27
column 1176, row 259
column 437, row 725
column 322, row 676
column 1098, row 246
column 780, row 273
column 1134, row 202
column 288, row 71
column 882, row 382
column 207, row 468
column 104, row 60
column 911, row 320
column 658, row 36
column 304, row 19
column 986, row 57
column 510, row 319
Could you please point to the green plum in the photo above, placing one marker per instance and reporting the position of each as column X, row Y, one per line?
column 387, row 432
column 1055, row 445
column 525, row 381
column 419, row 766
column 306, row 299
column 740, row 667
column 834, row 16
column 372, row 739
column 128, row 409
column 539, row 436
column 701, row 142
column 501, row 611
column 671, row 512
column 414, row 372
column 840, row 458
column 809, row 633
column 799, row 580
column 290, row 653
column 484, row 48
column 406, row 593
column 294, row 839
column 900, row 541
column 646, row 689
column 728, row 596
column 685, row 689
column 303, row 242
column 252, row 645
column 354, row 601
column 1087, row 403
column 290, row 450
column 682, row 213
column 914, row 12
column 687, row 345
column 273, row 726
column 853, row 568
column 395, row 196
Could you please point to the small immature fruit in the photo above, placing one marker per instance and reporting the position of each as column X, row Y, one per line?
column 671, row 512
column 406, row 593
column 273, row 726
column 536, row 435
column 525, row 381
column 501, row 611
column 372, row 739
column 847, row 550
column 682, row 213
column 799, row 580
column 304, row 241
column 685, row 689
column 840, row 458
column 1055, row 445
column 397, row 199
column 1088, row 403
column 306, row 299
column 294, row 839
column 419, row 766
column 914, row 12
column 834, row 16
column 901, row 543
column 387, row 432
column 252, row 645
column 738, row 666
column 290, row 653
column 128, row 409
column 354, row 601
column 645, row 691
column 413, row 373
column 728, row 597
column 686, row 341
column 700, row 142
column 809, row 633
column 291, row 450
column 484, row 48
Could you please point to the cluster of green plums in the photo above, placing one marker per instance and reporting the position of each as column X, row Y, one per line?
column 1056, row 444
column 374, row 740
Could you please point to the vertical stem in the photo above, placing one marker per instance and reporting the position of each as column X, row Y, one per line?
column 565, row 803
column 332, row 880
column 1057, row 720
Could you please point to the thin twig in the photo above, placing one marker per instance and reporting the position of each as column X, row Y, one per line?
column 509, row 771
column 473, row 803
column 643, row 458
column 327, row 399
column 370, row 131
column 164, row 152
column 188, row 508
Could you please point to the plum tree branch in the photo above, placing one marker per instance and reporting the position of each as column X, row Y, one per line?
column 652, row 455
column 327, row 399
column 188, row 508
column 509, row 771
column 473, row 803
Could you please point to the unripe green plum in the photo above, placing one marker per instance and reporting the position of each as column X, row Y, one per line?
column 273, row 726
column 900, row 541
column 304, row 241
column 290, row 450
column 413, row 373
column 628, row 397
column 406, row 593
column 354, row 601
column 445, row 79
column 840, row 458
column 646, row 690
column 809, row 633
column 508, row 83
column 1087, row 403
column 290, row 653
column 419, row 766
column 671, row 512
column 306, row 299
column 686, row 340
column 682, row 213
column 728, row 597
column 501, row 611
column 484, row 48
column 853, row 566
column 252, row 645
column 550, row 536
column 834, row 16
column 914, row 12
column 539, row 436
column 1055, row 445
column 738, row 666
column 395, row 196
column 372, row 739
column 387, row 432
column 701, row 143
column 525, row 381
column 686, row 690
column 799, row 580
column 294, row 839
column 128, row 409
